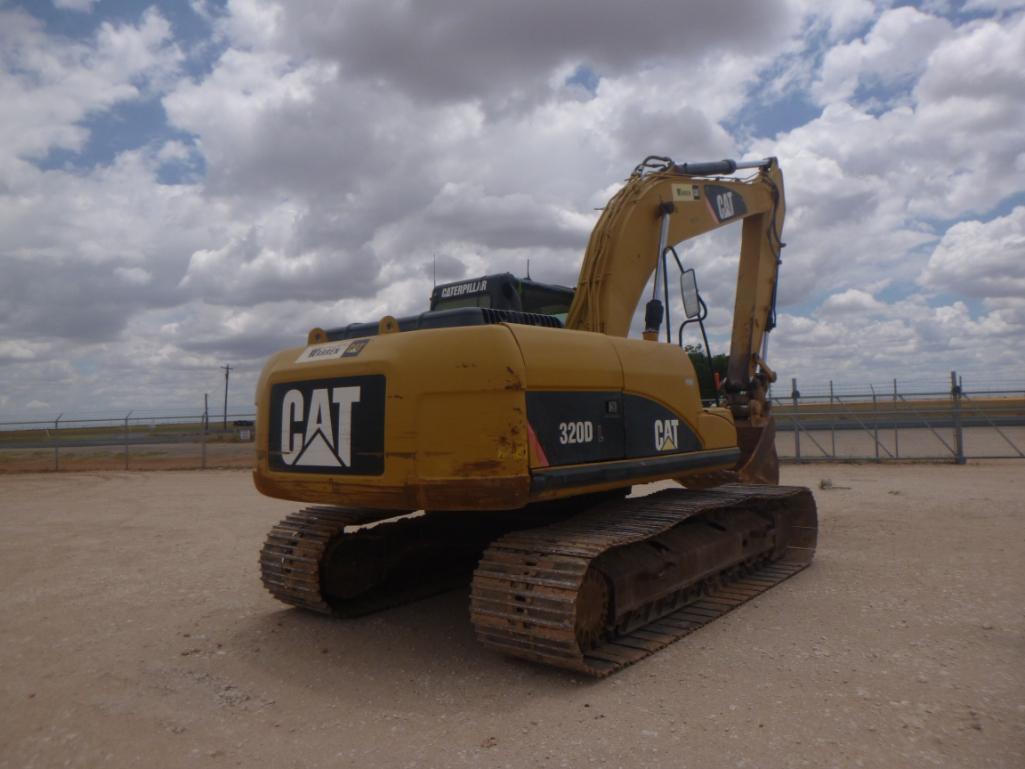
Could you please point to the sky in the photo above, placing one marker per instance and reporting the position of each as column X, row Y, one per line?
column 196, row 183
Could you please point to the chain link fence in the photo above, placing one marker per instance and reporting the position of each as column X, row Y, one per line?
column 133, row 441
column 938, row 420
column 944, row 421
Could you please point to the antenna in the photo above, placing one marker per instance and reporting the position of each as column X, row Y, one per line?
column 528, row 268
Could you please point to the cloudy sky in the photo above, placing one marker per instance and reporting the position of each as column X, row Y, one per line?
column 196, row 183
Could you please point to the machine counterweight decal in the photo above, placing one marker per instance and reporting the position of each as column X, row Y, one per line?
column 578, row 427
column 328, row 426
column 667, row 433
column 651, row 428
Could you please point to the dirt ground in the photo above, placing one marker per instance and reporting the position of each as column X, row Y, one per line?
column 135, row 632
column 156, row 456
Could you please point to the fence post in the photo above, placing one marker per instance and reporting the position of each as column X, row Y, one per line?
column 206, row 419
column 56, row 449
column 832, row 419
column 794, row 395
column 896, row 423
column 126, row 437
column 875, row 420
column 955, row 394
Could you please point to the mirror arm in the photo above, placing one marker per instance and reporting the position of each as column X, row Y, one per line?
column 700, row 320
column 708, row 349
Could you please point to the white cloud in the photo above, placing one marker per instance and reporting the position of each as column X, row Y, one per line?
column 839, row 19
column 84, row 6
column 981, row 259
column 202, row 9
column 983, row 60
column 895, row 50
column 994, row 5
column 502, row 53
column 250, row 23
column 83, row 252
column 332, row 151
column 908, row 339
column 135, row 276
column 49, row 85
column 21, row 350
column 866, row 191
column 851, row 301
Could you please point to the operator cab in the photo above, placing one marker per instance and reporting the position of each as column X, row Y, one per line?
column 504, row 292
column 501, row 298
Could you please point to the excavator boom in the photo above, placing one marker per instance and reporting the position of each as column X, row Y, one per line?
column 662, row 204
column 625, row 246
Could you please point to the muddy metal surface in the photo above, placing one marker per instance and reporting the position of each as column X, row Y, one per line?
column 135, row 631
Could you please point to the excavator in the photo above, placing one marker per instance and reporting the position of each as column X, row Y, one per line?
column 511, row 436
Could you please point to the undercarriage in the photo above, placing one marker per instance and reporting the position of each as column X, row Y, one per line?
column 591, row 585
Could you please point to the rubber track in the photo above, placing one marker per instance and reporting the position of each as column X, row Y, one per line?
column 524, row 593
column 292, row 555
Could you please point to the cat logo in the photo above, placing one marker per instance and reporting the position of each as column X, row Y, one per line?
column 327, row 439
column 667, row 434
column 332, row 426
column 355, row 348
column 724, row 203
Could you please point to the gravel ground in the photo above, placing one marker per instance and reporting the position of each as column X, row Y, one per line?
column 135, row 632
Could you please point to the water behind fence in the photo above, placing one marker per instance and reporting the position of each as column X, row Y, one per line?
column 944, row 421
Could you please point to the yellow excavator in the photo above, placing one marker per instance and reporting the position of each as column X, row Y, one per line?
column 497, row 438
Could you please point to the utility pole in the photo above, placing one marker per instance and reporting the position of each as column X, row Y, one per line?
column 227, row 371
column 206, row 424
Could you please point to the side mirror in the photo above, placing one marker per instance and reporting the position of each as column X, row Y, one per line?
column 689, row 292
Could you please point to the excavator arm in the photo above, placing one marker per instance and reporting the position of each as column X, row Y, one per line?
column 624, row 248
column 663, row 204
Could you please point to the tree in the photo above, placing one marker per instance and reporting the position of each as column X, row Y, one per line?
column 706, row 374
